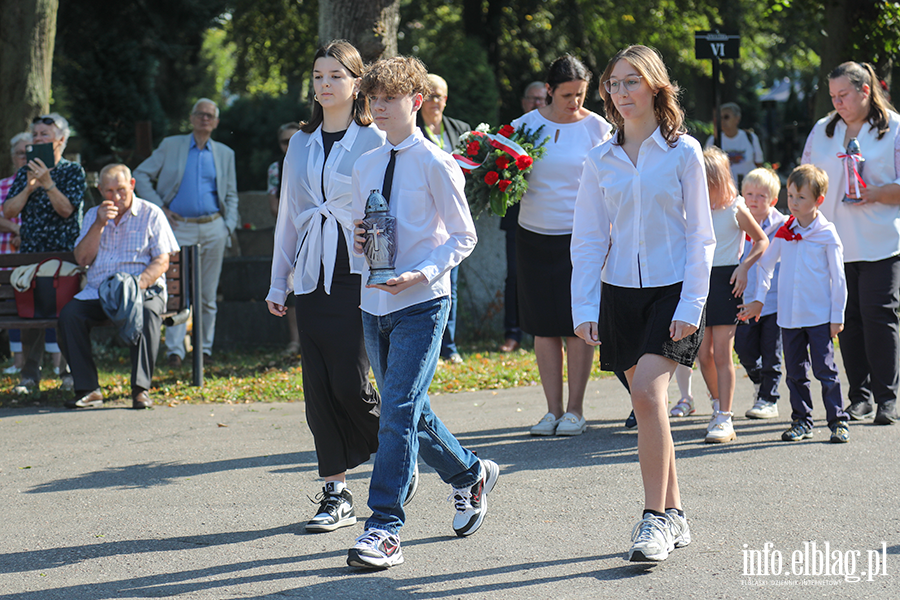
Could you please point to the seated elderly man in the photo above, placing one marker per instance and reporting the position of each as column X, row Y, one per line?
column 123, row 235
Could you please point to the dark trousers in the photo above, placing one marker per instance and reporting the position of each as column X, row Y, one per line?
column 342, row 407
column 758, row 346
column 77, row 319
column 510, row 298
column 802, row 346
column 870, row 342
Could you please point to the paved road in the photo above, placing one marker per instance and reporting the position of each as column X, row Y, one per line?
column 205, row 501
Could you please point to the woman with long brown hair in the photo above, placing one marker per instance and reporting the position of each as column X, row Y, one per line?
column 643, row 242
column 311, row 259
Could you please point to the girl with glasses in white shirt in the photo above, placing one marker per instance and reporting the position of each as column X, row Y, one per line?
column 643, row 228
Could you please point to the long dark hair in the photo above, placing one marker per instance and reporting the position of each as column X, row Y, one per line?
column 860, row 74
column 564, row 69
column 345, row 53
column 649, row 64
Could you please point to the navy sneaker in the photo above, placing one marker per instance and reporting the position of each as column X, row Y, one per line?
column 840, row 433
column 798, row 431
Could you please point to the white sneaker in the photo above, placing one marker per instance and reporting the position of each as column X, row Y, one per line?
column 712, row 418
column 763, row 410
column 721, row 429
column 375, row 549
column 67, row 383
column 27, row 387
column 651, row 540
column 678, row 526
column 471, row 502
column 546, row 426
column 570, row 424
column 11, row 370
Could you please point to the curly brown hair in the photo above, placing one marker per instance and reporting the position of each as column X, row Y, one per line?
column 396, row 76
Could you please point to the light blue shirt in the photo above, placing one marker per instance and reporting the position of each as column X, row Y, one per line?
column 197, row 195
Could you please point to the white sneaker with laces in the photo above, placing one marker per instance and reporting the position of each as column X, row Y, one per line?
column 571, row 424
column 651, row 540
column 12, row 370
column 763, row 410
column 471, row 502
column 546, row 426
column 721, row 428
column 678, row 526
column 712, row 418
column 375, row 549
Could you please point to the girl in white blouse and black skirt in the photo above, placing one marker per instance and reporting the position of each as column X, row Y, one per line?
column 643, row 228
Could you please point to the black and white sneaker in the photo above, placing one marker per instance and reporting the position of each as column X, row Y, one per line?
column 375, row 549
column 335, row 509
column 413, row 486
column 471, row 503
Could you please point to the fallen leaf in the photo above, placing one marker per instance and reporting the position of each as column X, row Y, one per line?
column 221, row 424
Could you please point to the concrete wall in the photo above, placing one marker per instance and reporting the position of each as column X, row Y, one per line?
column 243, row 318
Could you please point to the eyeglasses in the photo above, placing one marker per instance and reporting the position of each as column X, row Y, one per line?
column 204, row 115
column 434, row 98
column 44, row 120
column 630, row 84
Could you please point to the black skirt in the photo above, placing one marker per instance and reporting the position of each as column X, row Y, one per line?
column 342, row 407
column 635, row 321
column 544, row 272
column 722, row 306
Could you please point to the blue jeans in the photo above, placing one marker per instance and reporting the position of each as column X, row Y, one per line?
column 448, row 341
column 403, row 350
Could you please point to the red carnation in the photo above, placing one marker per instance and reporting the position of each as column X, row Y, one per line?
column 504, row 183
column 473, row 148
column 523, row 162
column 491, row 177
column 506, row 130
column 502, row 162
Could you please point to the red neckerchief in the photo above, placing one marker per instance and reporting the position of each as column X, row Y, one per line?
column 785, row 232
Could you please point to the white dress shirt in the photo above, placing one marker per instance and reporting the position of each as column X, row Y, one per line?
column 306, row 233
column 812, row 289
column 435, row 231
column 770, row 225
column 548, row 205
column 870, row 232
column 641, row 226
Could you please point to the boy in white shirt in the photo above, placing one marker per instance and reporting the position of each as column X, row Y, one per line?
column 812, row 295
column 758, row 343
column 404, row 319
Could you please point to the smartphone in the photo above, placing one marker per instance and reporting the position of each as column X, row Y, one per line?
column 41, row 151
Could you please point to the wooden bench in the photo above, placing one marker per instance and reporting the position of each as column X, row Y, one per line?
column 178, row 288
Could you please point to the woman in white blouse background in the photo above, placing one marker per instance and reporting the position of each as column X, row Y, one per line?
column 643, row 228
column 869, row 229
column 543, row 266
column 312, row 237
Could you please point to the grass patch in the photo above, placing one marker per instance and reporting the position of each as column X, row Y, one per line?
column 265, row 375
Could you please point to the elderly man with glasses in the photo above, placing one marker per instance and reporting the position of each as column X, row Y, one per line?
column 196, row 187
column 742, row 146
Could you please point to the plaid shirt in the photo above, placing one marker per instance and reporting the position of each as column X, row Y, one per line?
column 6, row 237
column 142, row 234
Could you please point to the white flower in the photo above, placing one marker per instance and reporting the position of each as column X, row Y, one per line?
column 483, row 127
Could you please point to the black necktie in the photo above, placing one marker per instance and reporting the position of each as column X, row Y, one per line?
column 389, row 177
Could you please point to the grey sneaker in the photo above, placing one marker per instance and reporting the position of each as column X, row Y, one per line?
column 763, row 410
column 375, row 549
column 27, row 387
column 678, row 527
column 651, row 540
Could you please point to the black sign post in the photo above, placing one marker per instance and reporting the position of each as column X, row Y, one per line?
column 716, row 46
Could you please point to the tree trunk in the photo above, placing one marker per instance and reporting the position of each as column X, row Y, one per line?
column 371, row 25
column 27, row 35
